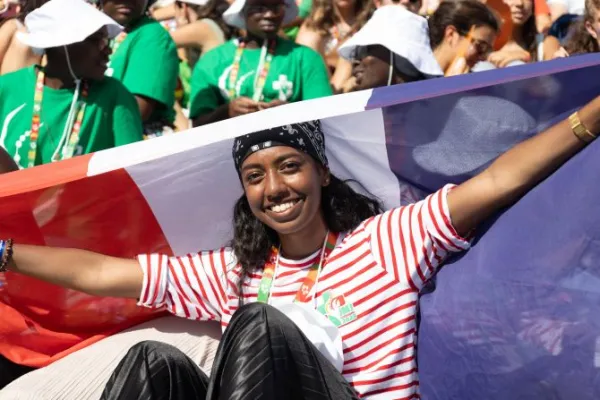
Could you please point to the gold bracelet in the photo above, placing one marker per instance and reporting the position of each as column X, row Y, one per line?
column 580, row 130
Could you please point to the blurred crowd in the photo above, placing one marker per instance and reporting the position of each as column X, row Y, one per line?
column 78, row 77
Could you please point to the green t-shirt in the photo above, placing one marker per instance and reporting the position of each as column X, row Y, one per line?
column 111, row 117
column 146, row 62
column 304, row 10
column 296, row 73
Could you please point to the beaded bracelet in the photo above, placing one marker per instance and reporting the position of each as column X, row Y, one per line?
column 6, row 253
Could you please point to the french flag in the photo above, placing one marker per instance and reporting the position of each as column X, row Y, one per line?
column 516, row 317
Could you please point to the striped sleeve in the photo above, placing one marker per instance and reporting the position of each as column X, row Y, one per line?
column 194, row 286
column 413, row 241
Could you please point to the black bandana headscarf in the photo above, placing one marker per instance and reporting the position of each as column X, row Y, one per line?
column 306, row 136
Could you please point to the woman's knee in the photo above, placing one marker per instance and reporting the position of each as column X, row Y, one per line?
column 153, row 350
column 259, row 313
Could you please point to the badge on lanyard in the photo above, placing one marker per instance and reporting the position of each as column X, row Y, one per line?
column 339, row 311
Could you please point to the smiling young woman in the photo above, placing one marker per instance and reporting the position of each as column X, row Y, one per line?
column 330, row 283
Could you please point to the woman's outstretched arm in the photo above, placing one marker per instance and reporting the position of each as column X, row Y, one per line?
column 80, row 270
column 518, row 170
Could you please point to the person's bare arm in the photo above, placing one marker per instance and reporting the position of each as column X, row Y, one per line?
column 517, row 171
column 550, row 45
column 164, row 13
column 146, row 106
column 7, row 31
column 81, row 270
column 343, row 72
column 196, row 35
column 310, row 38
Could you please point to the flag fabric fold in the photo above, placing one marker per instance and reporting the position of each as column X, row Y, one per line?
column 515, row 317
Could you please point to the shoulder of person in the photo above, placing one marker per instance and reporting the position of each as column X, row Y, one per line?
column 17, row 77
column 151, row 30
column 223, row 53
column 112, row 88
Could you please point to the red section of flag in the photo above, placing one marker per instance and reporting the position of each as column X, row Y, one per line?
column 39, row 322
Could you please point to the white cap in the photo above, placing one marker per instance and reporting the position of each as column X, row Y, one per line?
column 400, row 31
column 234, row 17
column 64, row 22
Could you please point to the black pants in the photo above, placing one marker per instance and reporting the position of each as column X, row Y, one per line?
column 9, row 371
column 262, row 355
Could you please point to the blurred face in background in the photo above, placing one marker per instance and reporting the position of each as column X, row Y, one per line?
column 264, row 17
column 592, row 23
column 125, row 12
column 411, row 5
column 520, row 11
column 482, row 41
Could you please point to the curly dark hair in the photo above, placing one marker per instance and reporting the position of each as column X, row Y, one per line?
column 343, row 209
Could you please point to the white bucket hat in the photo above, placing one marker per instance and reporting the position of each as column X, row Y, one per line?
column 63, row 22
column 234, row 16
column 403, row 33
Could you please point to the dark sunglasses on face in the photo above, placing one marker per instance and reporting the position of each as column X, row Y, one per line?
column 264, row 8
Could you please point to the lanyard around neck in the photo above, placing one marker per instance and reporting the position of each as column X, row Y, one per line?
column 264, row 64
column 116, row 43
column 73, row 138
column 306, row 289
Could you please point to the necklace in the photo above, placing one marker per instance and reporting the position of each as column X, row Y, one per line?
column 310, row 281
column 114, row 46
column 73, row 126
column 266, row 57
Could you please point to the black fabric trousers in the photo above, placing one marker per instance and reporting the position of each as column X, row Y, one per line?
column 262, row 355
column 9, row 371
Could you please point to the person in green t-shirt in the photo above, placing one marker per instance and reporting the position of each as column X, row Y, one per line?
column 145, row 60
column 68, row 107
column 257, row 71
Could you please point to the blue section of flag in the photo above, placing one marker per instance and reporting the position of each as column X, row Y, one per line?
column 518, row 316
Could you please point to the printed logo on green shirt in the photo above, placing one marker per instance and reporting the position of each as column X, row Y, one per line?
column 282, row 85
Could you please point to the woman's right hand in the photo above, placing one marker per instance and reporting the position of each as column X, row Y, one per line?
column 242, row 106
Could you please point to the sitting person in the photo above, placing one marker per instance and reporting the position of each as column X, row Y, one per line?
column 329, row 25
column 68, row 107
column 14, row 54
column 318, row 293
column 392, row 48
column 462, row 30
column 583, row 36
column 144, row 58
column 256, row 71
column 522, row 46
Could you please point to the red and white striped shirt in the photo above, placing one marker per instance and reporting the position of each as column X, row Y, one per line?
column 379, row 268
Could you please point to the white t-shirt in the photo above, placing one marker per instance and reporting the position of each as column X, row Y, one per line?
column 378, row 268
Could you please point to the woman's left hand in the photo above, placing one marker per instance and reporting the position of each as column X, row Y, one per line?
column 502, row 58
